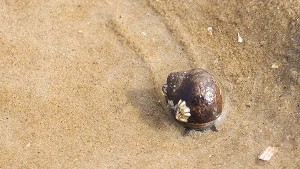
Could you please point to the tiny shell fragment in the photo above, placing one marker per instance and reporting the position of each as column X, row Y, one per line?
column 240, row 39
column 275, row 66
column 210, row 29
column 268, row 153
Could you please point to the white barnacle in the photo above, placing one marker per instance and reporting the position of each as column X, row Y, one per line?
column 181, row 104
column 186, row 110
column 171, row 103
column 182, row 111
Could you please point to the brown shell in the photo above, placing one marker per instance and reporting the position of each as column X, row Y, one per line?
column 202, row 94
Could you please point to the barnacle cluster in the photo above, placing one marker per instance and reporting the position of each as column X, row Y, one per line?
column 182, row 111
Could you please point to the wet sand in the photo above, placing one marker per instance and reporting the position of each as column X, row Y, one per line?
column 81, row 83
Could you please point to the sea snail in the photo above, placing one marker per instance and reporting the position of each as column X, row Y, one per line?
column 195, row 97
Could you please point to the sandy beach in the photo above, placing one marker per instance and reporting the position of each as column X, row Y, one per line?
column 81, row 82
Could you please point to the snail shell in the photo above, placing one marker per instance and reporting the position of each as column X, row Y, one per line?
column 196, row 98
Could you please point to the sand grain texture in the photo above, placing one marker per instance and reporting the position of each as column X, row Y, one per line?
column 80, row 83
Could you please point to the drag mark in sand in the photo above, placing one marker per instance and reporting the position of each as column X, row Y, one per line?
column 120, row 33
column 146, row 34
